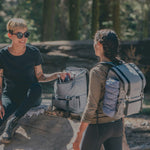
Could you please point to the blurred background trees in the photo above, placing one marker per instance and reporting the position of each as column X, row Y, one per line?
column 48, row 24
column 50, row 20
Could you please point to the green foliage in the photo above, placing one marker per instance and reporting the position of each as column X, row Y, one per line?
column 134, row 18
column 85, row 19
column 29, row 10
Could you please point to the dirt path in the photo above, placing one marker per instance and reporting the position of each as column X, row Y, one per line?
column 46, row 132
column 138, row 132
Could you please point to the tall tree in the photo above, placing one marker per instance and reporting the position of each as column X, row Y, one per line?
column 74, row 9
column 104, row 14
column 146, row 12
column 116, row 16
column 95, row 17
column 62, row 19
column 48, row 31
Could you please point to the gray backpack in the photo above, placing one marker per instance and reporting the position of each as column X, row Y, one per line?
column 124, row 90
column 71, row 95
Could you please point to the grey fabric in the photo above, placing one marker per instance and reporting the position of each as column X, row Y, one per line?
column 73, row 92
column 131, row 91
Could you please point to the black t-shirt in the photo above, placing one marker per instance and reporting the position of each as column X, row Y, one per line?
column 19, row 70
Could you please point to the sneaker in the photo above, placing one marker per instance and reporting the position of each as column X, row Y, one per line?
column 9, row 130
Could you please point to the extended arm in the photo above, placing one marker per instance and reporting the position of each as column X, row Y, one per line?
column 47, row 77
column 76, row 144
column 2, row 111
column 94, row 93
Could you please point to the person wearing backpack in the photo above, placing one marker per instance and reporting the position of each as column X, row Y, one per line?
column 96, row 128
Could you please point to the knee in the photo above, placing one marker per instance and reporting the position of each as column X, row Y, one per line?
column 35, row 90
column 36, row 87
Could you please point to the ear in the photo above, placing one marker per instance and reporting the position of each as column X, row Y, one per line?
column 9, row 35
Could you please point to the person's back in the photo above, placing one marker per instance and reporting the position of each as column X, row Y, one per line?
column 98, row 128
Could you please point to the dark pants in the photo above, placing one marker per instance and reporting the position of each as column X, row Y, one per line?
column 108, row 134
column 31, row 98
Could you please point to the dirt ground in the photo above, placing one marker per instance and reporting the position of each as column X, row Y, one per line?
column 138, row 127
column 138, row 131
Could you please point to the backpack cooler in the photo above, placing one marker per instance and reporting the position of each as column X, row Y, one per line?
column 124, row 90
column 72, row 95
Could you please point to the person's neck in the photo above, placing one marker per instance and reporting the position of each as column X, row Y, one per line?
column 17, row 48
column 104, row 59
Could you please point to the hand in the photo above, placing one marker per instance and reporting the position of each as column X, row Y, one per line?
column 63, row 75
column 76, row 144
column 2, row 111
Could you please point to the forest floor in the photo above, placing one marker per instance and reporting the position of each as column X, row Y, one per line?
column 138, row 127
column 56, row 132
column 138, row 132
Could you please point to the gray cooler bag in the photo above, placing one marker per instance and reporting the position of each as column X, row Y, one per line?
column 124, row 91
column 72, row 95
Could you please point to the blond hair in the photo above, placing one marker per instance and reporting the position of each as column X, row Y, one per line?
column 15, row 23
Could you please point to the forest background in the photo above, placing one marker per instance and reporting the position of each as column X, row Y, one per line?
column 52, row 20
column 69, row 27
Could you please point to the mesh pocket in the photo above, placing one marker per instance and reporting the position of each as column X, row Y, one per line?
column 111, row 97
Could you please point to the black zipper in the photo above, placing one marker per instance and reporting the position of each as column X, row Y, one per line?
column 134, row 101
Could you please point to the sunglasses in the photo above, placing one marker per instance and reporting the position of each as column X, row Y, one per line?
column 20, row 34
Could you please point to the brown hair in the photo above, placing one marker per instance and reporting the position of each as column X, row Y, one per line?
column 109, row 39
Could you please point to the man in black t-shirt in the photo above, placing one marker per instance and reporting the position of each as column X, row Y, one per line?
column 21, row 71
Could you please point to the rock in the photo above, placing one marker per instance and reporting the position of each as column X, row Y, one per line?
column 145, row 123
column 141, row 147
column 39, row 131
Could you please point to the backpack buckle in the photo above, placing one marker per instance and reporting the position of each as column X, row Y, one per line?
column 68, row 98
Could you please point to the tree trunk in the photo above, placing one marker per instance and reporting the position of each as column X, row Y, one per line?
column 74, row 8
column 146, row 29
column 95, row 17
column 48, row 31
column 62, row 20
column 116, row 16
column 104, row 12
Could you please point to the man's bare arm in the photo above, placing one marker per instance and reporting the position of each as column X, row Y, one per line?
column 46, row 77
column 1, row 82
column 2, row 111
